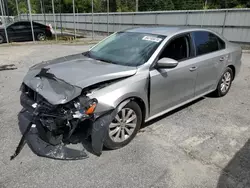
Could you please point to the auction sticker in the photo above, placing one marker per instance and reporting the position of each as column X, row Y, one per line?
column 153, row 39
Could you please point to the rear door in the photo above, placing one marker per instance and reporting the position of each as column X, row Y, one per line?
column 20, row 31
column 171, row 87
column 211, row 58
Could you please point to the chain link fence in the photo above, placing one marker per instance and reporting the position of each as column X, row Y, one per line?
column 95, row 19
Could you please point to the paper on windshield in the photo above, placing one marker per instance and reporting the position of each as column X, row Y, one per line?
column 153, row 39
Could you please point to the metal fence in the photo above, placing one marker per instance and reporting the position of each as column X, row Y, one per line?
column 94, row 18
column 233, row 24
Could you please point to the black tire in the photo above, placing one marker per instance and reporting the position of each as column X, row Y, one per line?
column 41, row 36
column 110, row 144
column 1, row 39
column 218, row 92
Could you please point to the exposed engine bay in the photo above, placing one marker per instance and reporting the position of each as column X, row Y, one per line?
column 49, row 128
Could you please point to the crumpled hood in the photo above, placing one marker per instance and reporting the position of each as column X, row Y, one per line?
column 71, row 74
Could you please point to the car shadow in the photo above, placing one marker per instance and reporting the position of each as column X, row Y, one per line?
column 81, row 135
column 237, row 172
column 171, row 113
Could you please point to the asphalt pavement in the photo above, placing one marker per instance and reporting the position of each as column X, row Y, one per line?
column 203, row 144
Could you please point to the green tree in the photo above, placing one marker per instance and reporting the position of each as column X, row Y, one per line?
column 84, row 6
column 155, row 5
column 188, row 5
column 23, row 6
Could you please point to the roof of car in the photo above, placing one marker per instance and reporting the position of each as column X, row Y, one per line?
column 24, row 21
column 165, row 31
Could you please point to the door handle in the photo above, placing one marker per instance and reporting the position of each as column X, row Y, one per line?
column 192, row 68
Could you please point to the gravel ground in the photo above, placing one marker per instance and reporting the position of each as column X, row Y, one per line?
column 204, row 144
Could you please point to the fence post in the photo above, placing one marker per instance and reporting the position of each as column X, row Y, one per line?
column 113, row 22
column 77, row 20
column 18, row 14
column 204, row 13
column 224, row 22
column 85, row 16
column 74, row 15
column 61, row 16
column 31, row 23
column 187, row 13
column 44, row 12
column 3, row 6
column 156, row 19
column 53, row 10
column 133, row 19
column 3, row 20
column 108, row 17
column 136, row 5
column 92, row 4
column 120, row 20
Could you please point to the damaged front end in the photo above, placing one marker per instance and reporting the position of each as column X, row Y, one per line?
column 51, row 130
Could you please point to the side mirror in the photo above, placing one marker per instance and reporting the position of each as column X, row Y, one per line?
column 165, row 63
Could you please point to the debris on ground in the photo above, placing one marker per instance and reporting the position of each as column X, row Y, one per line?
column 7, row 67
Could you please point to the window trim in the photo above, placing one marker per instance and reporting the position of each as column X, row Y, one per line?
column 218, row 38
column 184, row 34
column 195, row 51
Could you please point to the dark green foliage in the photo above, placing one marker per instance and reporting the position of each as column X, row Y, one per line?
column 83, row 6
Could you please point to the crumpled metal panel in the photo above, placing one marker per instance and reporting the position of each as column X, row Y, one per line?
column 100, row 130
column 30, row 134
column 33, row 137
column 72, row 74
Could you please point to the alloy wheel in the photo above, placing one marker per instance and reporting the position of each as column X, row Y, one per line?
column 225, row 82
column 123, row 125
column 1, row 39
column 41, row 37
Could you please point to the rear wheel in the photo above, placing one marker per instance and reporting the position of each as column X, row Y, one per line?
column 224, row 83
column 1, row 39
column 124, row 127
column 41, row 37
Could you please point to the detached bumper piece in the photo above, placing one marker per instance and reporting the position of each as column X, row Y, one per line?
column 32, row 133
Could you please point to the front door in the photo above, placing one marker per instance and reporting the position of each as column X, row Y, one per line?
column 171, row 87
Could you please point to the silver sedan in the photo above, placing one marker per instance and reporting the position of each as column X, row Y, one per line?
column 129, row 78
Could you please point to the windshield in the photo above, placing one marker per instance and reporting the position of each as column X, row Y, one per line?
column 126, row 48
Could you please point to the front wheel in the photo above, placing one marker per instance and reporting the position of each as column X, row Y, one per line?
column 124, row 127
column 224, row 83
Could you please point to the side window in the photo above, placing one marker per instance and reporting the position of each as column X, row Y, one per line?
column 178, row 49
column 35, row 25
column 206, row 42
column 18, row 26
column 27, row 25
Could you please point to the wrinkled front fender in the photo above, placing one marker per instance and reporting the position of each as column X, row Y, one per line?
column 111, row 96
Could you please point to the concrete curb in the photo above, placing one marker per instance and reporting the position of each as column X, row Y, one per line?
column 51, row 43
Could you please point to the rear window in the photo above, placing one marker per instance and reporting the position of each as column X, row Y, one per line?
column 206, row 42
column 222, row 44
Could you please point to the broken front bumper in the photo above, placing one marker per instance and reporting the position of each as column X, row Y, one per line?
column 35, row 134
column 35, row 139
column 48, row 140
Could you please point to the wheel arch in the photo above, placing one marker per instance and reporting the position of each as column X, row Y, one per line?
column 139, row 101
column 233, row 69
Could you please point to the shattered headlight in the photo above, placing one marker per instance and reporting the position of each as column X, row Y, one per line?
column 85, row 107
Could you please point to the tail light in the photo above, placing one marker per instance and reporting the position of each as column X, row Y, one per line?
column 48, row 28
